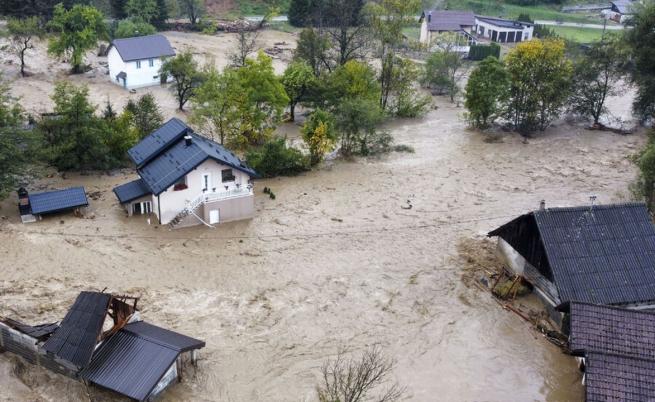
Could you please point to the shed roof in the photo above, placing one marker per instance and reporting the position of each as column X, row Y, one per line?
column 624, row 6
column 448, row 20
column 618, row 378
column 59, row 200
column 603, row 254
column 143, row 47
column 131, row 191
column 157, row 141
column 135, row 359
column 77, row 335
column 500, row 22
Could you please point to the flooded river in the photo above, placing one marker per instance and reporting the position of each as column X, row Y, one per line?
column 333, row 261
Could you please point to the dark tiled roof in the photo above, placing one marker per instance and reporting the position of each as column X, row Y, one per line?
column 131, row 191
column 500, row 22
column 623, row 6
column 143, row 47
column 40, row 332
column 158, row 140
column 613, row 378
column 612, row 330
column 135, row 359
column 448, row 20
column 78, row 333
column 59, row 200
column 180, row 159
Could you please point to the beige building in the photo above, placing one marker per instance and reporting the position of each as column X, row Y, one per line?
column 187, row 179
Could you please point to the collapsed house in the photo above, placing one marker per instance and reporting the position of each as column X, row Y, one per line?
column 603, row 254
column 129, row 356
column 614, row 347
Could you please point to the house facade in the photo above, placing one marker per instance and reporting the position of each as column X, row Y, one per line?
column 187, row 179
column 503, row 31
column 137, row 62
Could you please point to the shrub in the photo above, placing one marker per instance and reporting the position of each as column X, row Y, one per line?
column 481, row 52
column 274, row 158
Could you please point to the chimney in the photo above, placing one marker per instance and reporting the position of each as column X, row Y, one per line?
column 188, row 140
column 542, row 205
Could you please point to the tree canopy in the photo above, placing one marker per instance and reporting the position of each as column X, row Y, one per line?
column 22, row 32
column 486, row 92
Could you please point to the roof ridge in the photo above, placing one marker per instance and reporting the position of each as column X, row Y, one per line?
column 613, row 307
column 592, row 207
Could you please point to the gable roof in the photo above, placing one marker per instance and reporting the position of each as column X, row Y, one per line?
column 180, row 159
column 623, row 6
column 501, row 22
column 131, row 191
column 154, row 143
column 58, row 200
column 143, row 47
column 448, row 20
column 134, row 360
column 77, row 335
column 603, row 255
column 618, row 378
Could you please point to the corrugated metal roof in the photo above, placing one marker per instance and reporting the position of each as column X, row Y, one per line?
column 448, row 20
column 157, row 141
column 143, row 47
column 618, row 378
column 131, row 191
column 170, row 339
column 59, row 200
column 77, row 335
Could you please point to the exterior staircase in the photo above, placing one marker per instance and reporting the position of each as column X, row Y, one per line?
column 190, row 209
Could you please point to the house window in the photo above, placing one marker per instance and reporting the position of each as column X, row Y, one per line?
column 138, row 64
column 227, row 175
column 180, row 184
column 151, row 62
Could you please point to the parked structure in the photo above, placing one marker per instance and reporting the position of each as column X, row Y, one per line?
column 133, row 358
column 614, row 348
column 136, row 62
column 601, row 254
column 502, row 30
column 33, row 206
column 620, row 10
column 187, row 179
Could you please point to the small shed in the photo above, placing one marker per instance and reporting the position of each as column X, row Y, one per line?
column 35, row 205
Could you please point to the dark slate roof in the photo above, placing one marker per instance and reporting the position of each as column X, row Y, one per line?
column 178, row 160
column 131, row 191
column 157, row 141
column 612, row 330
column 143, row 47
column 602, row 255
column 76, row 337
column 40, row 332
column 500, row 22
column 135, row 359
column 618, row 378
column 623, row 6
column 59, row 200
column 448, row 20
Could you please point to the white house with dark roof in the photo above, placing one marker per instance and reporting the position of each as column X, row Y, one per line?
column 187, row 179
column 136, row 62
column 502, row 30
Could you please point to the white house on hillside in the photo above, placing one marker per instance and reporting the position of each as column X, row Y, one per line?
column 502, row 30
column 136, row 62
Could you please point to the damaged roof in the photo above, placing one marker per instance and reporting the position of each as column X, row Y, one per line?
column 603, row 254
column 143, row 47
column 77, row 335
column 134, row 360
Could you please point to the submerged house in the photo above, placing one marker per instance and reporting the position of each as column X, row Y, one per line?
column 103, row 340
column 187, row 179
column 614, row 348
column 603, row 254
column 136, row 62
column 35, row 205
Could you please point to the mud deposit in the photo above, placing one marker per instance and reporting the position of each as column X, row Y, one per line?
column 334, row 260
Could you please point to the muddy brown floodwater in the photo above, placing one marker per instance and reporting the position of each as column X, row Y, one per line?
column 333, row 261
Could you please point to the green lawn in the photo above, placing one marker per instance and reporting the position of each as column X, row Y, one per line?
column 539, row 12
column 581, row 35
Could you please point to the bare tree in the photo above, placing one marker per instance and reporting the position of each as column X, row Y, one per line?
column 355, row 380
column 246, row 44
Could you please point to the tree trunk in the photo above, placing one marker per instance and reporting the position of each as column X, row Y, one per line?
column 292, row 111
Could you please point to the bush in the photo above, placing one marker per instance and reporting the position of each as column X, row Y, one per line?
column 481, row 52
column 274, row 158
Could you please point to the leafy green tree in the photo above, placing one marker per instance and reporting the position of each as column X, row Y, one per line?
column 193, row 9
column 354, row 80
column 312, row 48
column 145, row 113
column 540, row 81
column 117, row 8
column 300, row 12
column 405, row 99
column 186, row 76
column 216, row 104
column 443, row 67
column 641, row 44
column 118, row 135
column 320, row 134
column 357, row 121
column 79, row 30
column 274, row 158
column 22, row 32
column 486, row 92
column 144, row 10
column 130, row 28
column 298, row 78
column 646, row 179
column 159, row 20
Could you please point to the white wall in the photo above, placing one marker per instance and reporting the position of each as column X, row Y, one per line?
column 136, row 77
column 173, row 202
column 489, row 27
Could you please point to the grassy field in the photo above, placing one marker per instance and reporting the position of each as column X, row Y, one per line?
column 499, row 9
column 581, row 35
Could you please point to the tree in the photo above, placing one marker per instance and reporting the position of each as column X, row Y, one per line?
column 312, row 48
column 184, row 70
column 342, row 22
column 354, row 80
column 159, row 20
column 22, row 32
column 274, row 158
column 297, row 80
column 356, row 380
column 118, row 9
column 405, row 100
column 79, row 30
column 540, row 77
column 216, row 103
column 144, row 10
column 193, row 9
column 246, row 44
column 320, row 135
column 130, row 28
column 300, row 12
column 486, row 92
column 641, row 44
column 357, row 121
column 145, row 114
column 595, row 76
column 442, row 70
